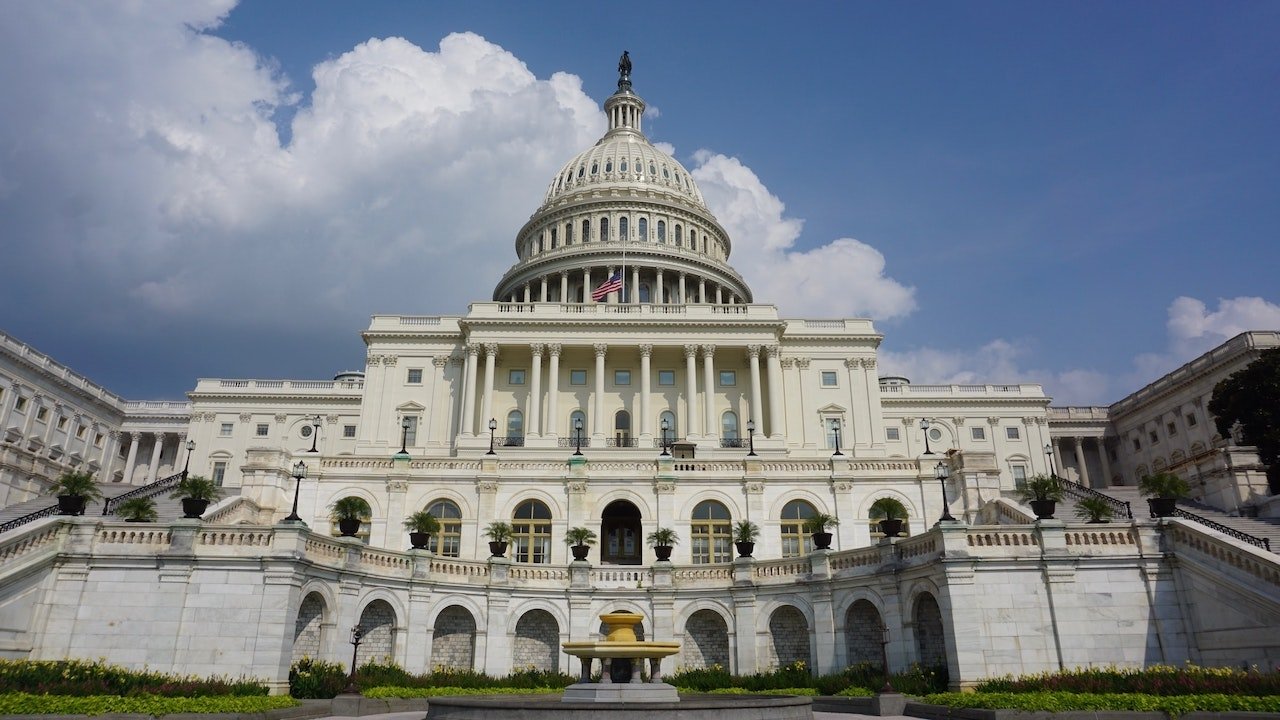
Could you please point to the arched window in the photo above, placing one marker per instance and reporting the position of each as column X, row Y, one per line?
column 555, row 238
column 448, row 541
column 729, row 425
column 709, row 533
column 623, row 167
column 622, row 229
column 662, row 232
column 644, row 292
column 595, row 168
column 515, row 429
column 653, row 171
column 794, row 540
column 622, row 427
column 586, row 231
column 679, row 236
column 608, row 165
column 693, row 239
column 575, row 418
column 673, row 429
column 581, row 171
column 531, row 532
column 642, row 230
column 604, row 229
column 568, row 233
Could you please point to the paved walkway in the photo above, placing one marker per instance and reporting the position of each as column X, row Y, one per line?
column 816, row 716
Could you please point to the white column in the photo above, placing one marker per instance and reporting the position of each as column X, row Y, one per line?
column 874, row 401
column 564, row 287
column 469, row 395
column 527, row 293
column 646, row 429
column 490, row 368
column 6, row 410
column 543, row 283
column 107, row 460
column 597, row 420
column 1080, row 462
column 1106, row 462
column 684, row 299
column 719, row 295
column 132, row 460
column 709, row 396
column 586, row 285
column 535, row 391
column 1057, row 457
column 155, row 457
column 633, row 290
column 553, row 391
column 774, row 369
column 434, row 414
column 691, row 402
column 753, row 362
column 53, row 423
column 659, row 290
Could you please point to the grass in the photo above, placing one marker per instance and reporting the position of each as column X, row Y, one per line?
column 21, row 703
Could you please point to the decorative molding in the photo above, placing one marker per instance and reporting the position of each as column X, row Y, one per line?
column 537, row 348
column 869, row 363
column 576, row 487
column 787, row 363
column 281, row 418
column 473, row 349
column 440, row 361
column 491, row 350
column 486, row 486
column 852, row 363
column 958, row 421
column 708, row 352
column 246, row 417
column 397, row 486
column 646, row 350
column 754, row 487
column 773, row 351
column 802, row 363
column 601, row 349
column 993, row 421
column 909, row 421
column 331, row 419
column 664, row 487
column 843, row 486
column 390, row 359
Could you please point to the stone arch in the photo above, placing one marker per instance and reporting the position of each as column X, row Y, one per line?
column 788, row 637
column 453, row 644
column 378, row 620
column 546, row 498
column 623, row 494
column 308, row 628
column 374, row 505
column 706, row 640
column 537, row 642
column 686, row 510
column 864, row 508
column 931, row 644
column 814, row 499
column 863, row 633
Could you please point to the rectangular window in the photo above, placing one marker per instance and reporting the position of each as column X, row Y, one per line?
column 728, row 378
column 348, row 431
column 1191, row 420
column 621, row 377
column 1012, row 433
column 219, row 473
column 828, row 378
column 891, row 433
column 263, row 429
column 667, row 378
column 411, row 436
column 415, row 376
column 577, row 377
column 1172, row 428
column 97, row 440
column 80, row 432
column 224, row 430
column 42, row 413
column 1137, row 444
column 20, row 404
column 1019, row 476
column 62, row 423
column 515, row 377
column 1153, row 437
column 978, row 433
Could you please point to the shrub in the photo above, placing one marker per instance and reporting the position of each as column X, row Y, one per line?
column 1174, row 705
column 311, row 679
column 76, row 483
column 20, row 703
column 915, row 681
column 1157, row 680
column 83, row 678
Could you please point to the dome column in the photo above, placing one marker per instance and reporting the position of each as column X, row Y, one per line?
column 586, row 285
column 535, row 383
column 543, row 282
column 633, row 290
column 709, row 382
column 597, row 420
column 564, row 286
column 691, row 401
column 683, row 298
column 659, row 294
column 702, row 290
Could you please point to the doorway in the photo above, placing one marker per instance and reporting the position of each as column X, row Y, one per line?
column 620, row 533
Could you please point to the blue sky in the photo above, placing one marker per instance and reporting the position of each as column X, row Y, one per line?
column 1078, row 194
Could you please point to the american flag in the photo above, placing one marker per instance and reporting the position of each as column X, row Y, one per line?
column 612, row 284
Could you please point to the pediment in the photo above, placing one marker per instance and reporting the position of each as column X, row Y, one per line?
column 411, row 407
column 832, row 408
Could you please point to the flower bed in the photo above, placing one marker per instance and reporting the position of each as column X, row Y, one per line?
column 21, row 703
column 82, row 678
column 1173, row 705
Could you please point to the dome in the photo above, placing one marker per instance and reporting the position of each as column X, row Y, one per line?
column 624, row 156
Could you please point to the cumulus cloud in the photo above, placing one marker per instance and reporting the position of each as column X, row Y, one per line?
column 1194, row 329
column 843, row 277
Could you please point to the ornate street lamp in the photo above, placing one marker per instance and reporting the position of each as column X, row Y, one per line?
column 666, row 425
column 942, row 473
column 884, row 658
column 315, row 432
column 924, row 425
column 1048, row 451
column 299, row 472
column 404, row 436
column 493, row 425
column 577, row 436
column 356, row 634
column 835, row 428
column 751, row 437
column 191, row 445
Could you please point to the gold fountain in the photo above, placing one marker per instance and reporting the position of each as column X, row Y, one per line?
column 620, row 643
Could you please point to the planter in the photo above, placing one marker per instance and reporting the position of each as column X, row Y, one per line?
column 891, row 527
column 71, row 505
column 662, row 552
column 192, row 508
column 821, row 541
column 1160, row 507
column 348, row 527
column 1097, row 522
column 745, row 548
column 498, row 548
column 419, row 540
column 136, row 520
column 580, row 551
column 1043, row 509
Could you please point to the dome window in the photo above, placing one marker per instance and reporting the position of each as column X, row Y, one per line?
column 623, row 166
column 581, row 171
column 595, row 168
column 608, row 166
column 666, row 174
column 622, row 229
column 586, row 230
column 653, row 171
column 604, row 229
column 662, row 232
column 639, row 167
column 643, row 230
column 679, row 236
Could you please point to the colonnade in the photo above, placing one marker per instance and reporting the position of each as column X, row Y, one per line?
column 663, row 287
column 158, row 443
column 1081, row 461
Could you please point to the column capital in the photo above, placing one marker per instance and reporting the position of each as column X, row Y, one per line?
column 908, row 421
column 691, row 351
column 646, row 350
column 993, row 421
column 708, row 351
column 601, row 349
column 773, row 351
column 958, row 421
column 440, row 361
column 491, row 350
column 246, row 417
column 537, row 348
column 281, row 418
column 753, row 352
column 115, row 434
column 852, row 363
column 473, row 349
column 787, row 362
column 869, row 363
column 457, row 360
column 802, row 363
column 553, row 349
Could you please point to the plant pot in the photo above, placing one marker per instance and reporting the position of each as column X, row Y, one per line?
column 71, row 504
column 745, row 548
column 580, row 551
column 498, row 548
column 891, row 527
column 136, row 520
column 1162, row 507
column 192, row 508
column 662, row 552
column 1097, row 521
column 347, row 527
column 821, row 541
column 419, row 540
column 1043, row 509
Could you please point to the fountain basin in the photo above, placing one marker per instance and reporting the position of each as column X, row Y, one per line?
column 691, row 707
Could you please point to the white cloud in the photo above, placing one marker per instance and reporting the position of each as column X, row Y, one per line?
column 1193, row 329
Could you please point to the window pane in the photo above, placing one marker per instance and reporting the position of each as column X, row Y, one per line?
column 577, row 377
column 828, row 378
column 667, row 377
column 728, row 378
column 621, row 377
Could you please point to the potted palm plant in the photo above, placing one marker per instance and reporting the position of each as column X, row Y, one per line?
column 196, row 491
column 421, row 526
column 817, row 524
column 1095, row 510
column 1043, row 493
column 499, row 534
column 745, row 533
column 349, row 512
column 891, row 513
column 138, row 509
column 74, row 490
column 1163, row 490
column 663, row 540
column 580, row 540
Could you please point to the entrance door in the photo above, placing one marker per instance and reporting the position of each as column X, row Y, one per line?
column 620, row 533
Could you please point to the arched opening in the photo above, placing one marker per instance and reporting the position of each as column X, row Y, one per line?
column 662, row 232
column 378, row 621
column 706, row 641
column 642, row 230
column 788, row 637
column 531, row 532
column 453, row 644
column 308, row 629
column 537, row 642
column 729, row 425
column 709, row 533
column 931, row 646
column 795, row 541
column 623, row 229
column 577, row 418
column 622, row 428
column 448, row 541
column 515, row 430
column 620, row 531
column 863, row 632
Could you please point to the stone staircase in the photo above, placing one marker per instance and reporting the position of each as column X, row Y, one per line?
column 167, row 508
column 1267, row 528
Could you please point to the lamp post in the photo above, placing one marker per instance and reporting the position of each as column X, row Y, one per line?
column 191, row 445
column 577, row 436
column 1048, row 451
column 315, row 433
column 404, row 435
column 924, row 425
column 493, row 426
column 942, row 473
column 666, row 425
column 884, row 658
column 835, row 428
column 751, row 437
column 299, row 472
column 356, row 634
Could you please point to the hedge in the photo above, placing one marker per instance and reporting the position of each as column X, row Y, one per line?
column 1174, row 705
column 422, row 692
column 19, row 703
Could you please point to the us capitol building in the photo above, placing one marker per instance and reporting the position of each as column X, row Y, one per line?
column 622, row 378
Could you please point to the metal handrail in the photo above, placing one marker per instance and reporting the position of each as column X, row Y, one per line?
column 733, row 442
column 1264, row 543
column 1080, row 491
column 29, row 517
column 622, row 442
column 147, row 490
column 511, row 441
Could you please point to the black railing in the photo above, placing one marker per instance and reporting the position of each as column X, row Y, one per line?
column 733, row 442
column 624, row 442
column 1263, row 543
column 29, row 517
column 511, row 441
column 1077, row 490
column 657, row 442
column 569, row 442
column 149, row 490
